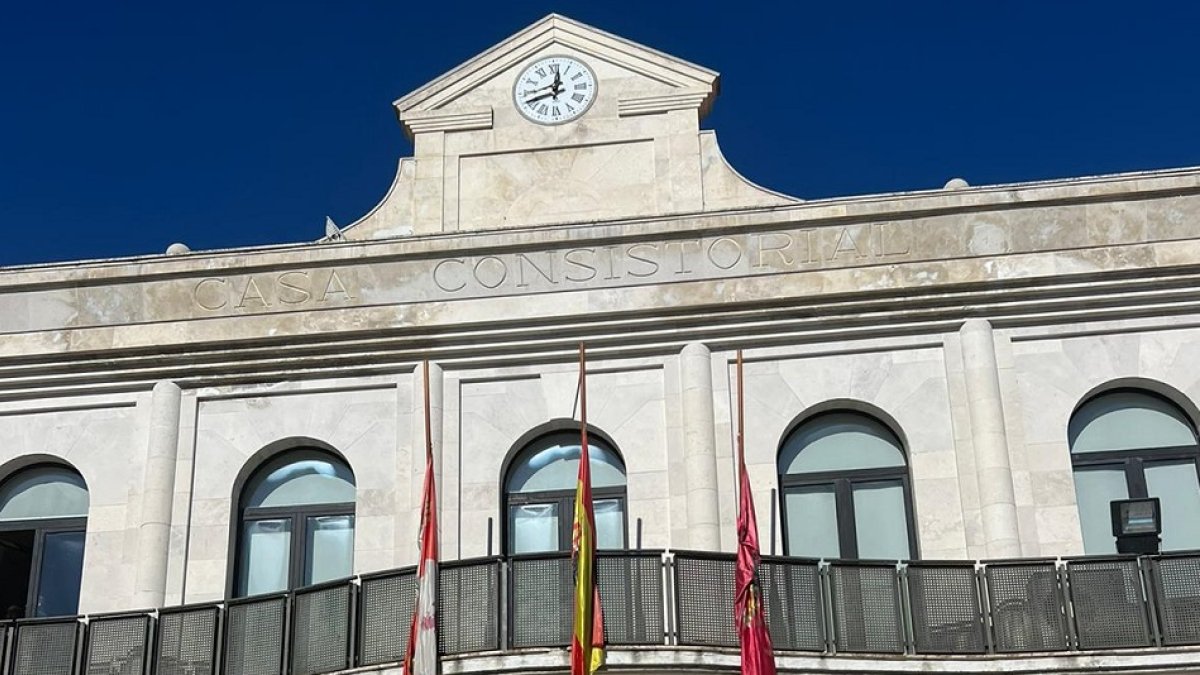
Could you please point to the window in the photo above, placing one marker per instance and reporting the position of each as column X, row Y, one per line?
column 540, row 494
column 43, row 519
column 296, row 523
column 844, row 486
column 1129, row 443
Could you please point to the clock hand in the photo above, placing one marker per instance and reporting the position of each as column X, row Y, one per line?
column 542, row 96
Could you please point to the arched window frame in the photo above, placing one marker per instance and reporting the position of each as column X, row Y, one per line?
column 567, row 430
column 843, row 482
column 1133, row 461
column 43, row 528
column 298, row 514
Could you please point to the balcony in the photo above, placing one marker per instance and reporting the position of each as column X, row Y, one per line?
column 664, row 610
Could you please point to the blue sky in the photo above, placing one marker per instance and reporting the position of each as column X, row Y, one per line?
column 127, row 126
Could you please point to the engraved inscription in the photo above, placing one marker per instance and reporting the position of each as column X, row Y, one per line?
column 259, row 292
column 675, row 260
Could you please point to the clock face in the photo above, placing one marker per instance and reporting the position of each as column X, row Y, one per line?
column 554, row 89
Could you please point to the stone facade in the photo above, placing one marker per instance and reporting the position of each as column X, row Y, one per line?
column 975, row 320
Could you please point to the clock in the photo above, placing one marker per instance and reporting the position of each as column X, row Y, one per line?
column 554, row 90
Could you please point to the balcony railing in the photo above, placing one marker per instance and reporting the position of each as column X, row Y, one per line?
column 649, row 598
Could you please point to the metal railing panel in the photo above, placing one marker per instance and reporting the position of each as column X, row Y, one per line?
column 945, row 609
column 117, row 645
column 468, row 606
column 320, row 628
column 794, row 603
column 1026, row 605
column 187, row 641
column 631, row 593
column 6, row 628
column 45, row 647
column 540, row 601
column 385, row 609
column 1176, row 583
column 704, row 599
column 866, row 607
column 1108, row 604
column 254, row 635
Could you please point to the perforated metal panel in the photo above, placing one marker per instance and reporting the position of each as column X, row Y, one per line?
column 540, row 603
column 117, row 645
column 947, row 616
column 704, row 601
column 187, row 642
column 1110, row 610
column 45, row 648
column 254, row 637
column 321, row 630
column 385, row 614
column 794, row 605
column 631, row 595
column 6, row 628
column 1177, row 595
column 469, row 607
column 866, row 608
column 1026, row 606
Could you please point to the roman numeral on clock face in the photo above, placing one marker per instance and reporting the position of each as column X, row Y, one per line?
column 578, row 98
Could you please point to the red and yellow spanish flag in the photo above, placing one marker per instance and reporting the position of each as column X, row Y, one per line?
column 758, row 656
column 587, row 636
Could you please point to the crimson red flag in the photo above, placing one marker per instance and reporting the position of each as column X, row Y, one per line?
column 758, row 656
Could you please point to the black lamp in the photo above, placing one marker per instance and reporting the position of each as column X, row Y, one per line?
column 1136, row 523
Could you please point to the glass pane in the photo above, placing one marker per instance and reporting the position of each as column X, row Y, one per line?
column 58, row 579
column 1178, row 491
column 533, row 528
column 552, row 463
column 1128, row 420
column 16, row 563
column 266, row 553
column 328, row 548
column 811, row 521
column 1095, row 488
column 610, row 523
column 43, row 492
column 881, row 520
column 839, row 441
column 301, row 477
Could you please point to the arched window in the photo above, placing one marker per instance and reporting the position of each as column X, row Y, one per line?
column 1126, row 444
column 43, row 519
column 296, row 523
column 539, row 492
column 844, row 487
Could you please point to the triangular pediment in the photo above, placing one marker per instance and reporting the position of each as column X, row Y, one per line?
column 482, row 159
column 464, row 93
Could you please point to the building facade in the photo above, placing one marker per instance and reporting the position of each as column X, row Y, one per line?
column 969, row 374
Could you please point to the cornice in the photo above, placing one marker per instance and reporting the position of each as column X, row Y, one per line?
column 1130, row 187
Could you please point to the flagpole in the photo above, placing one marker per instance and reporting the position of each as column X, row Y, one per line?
column 755, row 640
column 583, row 434
column 421, row 656
column 741, row 415
column 428, row 430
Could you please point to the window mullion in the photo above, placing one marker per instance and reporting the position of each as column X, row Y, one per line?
column 847, row 532
column 1135, row 475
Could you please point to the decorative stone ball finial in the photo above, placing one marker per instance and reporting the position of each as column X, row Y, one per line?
column 178, row 249
column 955, row 184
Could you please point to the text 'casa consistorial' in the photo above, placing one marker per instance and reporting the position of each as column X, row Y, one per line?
column 257, row 292
column 700, row 257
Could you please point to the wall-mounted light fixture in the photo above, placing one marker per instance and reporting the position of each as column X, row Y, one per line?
column 1136, row 523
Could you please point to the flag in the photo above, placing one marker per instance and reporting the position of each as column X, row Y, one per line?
column 758, row 657
column 421, row 657
column 587, row 635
